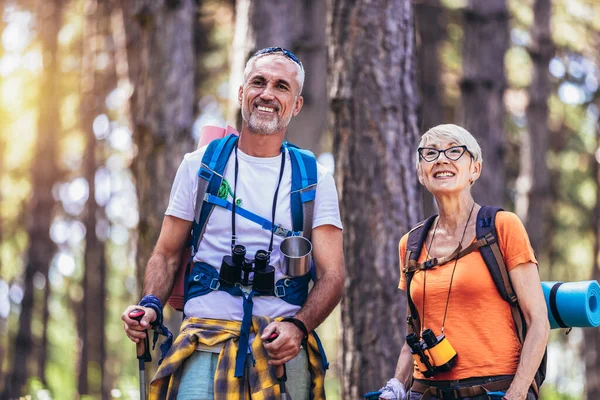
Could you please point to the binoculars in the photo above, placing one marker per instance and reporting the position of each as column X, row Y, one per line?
column 432, row 353
column 236, row 268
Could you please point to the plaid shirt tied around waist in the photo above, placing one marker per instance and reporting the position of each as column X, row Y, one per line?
column 211, row 332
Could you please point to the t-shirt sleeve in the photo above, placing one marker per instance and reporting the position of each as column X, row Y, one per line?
column 402, row 256
column 181, row 200
column 327, row 208
column 513, row 240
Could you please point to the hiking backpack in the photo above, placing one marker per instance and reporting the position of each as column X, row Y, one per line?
column 487, row 244
column 210, row 176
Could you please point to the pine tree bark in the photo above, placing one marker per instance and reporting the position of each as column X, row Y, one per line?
column 430, row 21
column 298, row 26
column 44, row 174
column 160, row 60
column 482, row 89
column 534, row 192
column 374, row 122
column 591, row 350
column 3, row 321
column 95, row 85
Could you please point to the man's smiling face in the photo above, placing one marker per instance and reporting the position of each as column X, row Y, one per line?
column 269, row 98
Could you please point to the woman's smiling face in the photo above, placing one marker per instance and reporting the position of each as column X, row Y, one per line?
column 454, row 169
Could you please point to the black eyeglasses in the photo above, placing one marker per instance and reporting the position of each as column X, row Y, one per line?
column 285, row 52
column 453, row 153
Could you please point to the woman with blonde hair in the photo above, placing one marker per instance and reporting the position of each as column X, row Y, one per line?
column 452, row 293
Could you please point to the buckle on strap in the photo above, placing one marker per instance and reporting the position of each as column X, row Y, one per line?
column 279, row 291
column 445, row 393
column 214, row 284
column 430, row 263
column 490, row 238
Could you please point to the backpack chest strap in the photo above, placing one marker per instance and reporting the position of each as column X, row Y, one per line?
column 412, row 265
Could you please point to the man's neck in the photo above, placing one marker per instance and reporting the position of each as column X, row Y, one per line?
column 257, row 145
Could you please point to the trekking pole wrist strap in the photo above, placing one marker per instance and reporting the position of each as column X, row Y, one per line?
column 299, row 324
column 151, row 301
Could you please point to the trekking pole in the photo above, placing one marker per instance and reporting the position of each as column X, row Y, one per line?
column 143, row 352
column 280, row 372
column 282, row 378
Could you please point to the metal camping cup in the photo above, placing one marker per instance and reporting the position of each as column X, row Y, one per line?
column 296, row 255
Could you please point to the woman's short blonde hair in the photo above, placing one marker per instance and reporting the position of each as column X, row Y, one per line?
column 453, row 133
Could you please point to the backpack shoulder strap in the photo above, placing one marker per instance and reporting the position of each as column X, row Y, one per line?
column 304, row 188
column 414, row 246
column 491, row 254
column 210, row 176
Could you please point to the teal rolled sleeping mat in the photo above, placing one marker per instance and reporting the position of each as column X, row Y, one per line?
column 572, row 304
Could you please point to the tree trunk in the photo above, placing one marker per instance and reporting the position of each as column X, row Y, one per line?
column 3, row 321
column 95, row 86
column 482, row 88
column 533, row 196
column 373, row 102
column 591, row 349
column 160, row 60
column 44, row 174
column 430, row 21
column 298, row 26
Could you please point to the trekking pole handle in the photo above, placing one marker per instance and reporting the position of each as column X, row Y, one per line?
column 142, row 347
column 280, row 372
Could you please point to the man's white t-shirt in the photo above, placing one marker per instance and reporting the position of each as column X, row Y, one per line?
column 256, row 184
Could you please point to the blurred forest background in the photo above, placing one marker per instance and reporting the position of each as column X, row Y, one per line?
column 100, row 99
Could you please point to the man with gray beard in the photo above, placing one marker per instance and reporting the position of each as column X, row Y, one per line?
column 240, row 340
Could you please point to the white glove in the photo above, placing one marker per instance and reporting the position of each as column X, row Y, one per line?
column 393, row 390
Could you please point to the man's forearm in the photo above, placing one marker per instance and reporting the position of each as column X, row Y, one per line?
column 322, row 299
column 160, row 276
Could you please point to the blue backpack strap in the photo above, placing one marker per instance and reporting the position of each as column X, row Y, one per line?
column 304, row 188
column 210, row 176
column 249, row 215
column 414, row 245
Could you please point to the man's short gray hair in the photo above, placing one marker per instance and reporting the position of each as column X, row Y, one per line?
column 299, row 69
column 453, row 133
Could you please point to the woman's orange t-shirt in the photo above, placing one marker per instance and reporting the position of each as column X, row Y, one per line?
column 479, row 323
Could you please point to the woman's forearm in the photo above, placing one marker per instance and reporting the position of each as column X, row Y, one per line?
column 531, row 356
column 404, row 368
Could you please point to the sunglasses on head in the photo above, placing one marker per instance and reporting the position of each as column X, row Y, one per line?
column 285, row 52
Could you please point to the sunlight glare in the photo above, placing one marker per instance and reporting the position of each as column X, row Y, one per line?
column 9, row 64
column 557, row 68
column 39, row 280
column 118, row 97
column 119, row 235
column 55, row 277
column 16, row 293
column 4, row 301
column 102, row 229
column 102, row 185
column 33, row 61
column 17, row 33
column 78, row 190
column 101, row 126
column 570, row 93
column 65, row 263
column 120, row 139
column 77, row 233
column 59, row 231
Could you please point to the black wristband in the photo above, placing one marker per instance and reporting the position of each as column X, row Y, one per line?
column 299, row 324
